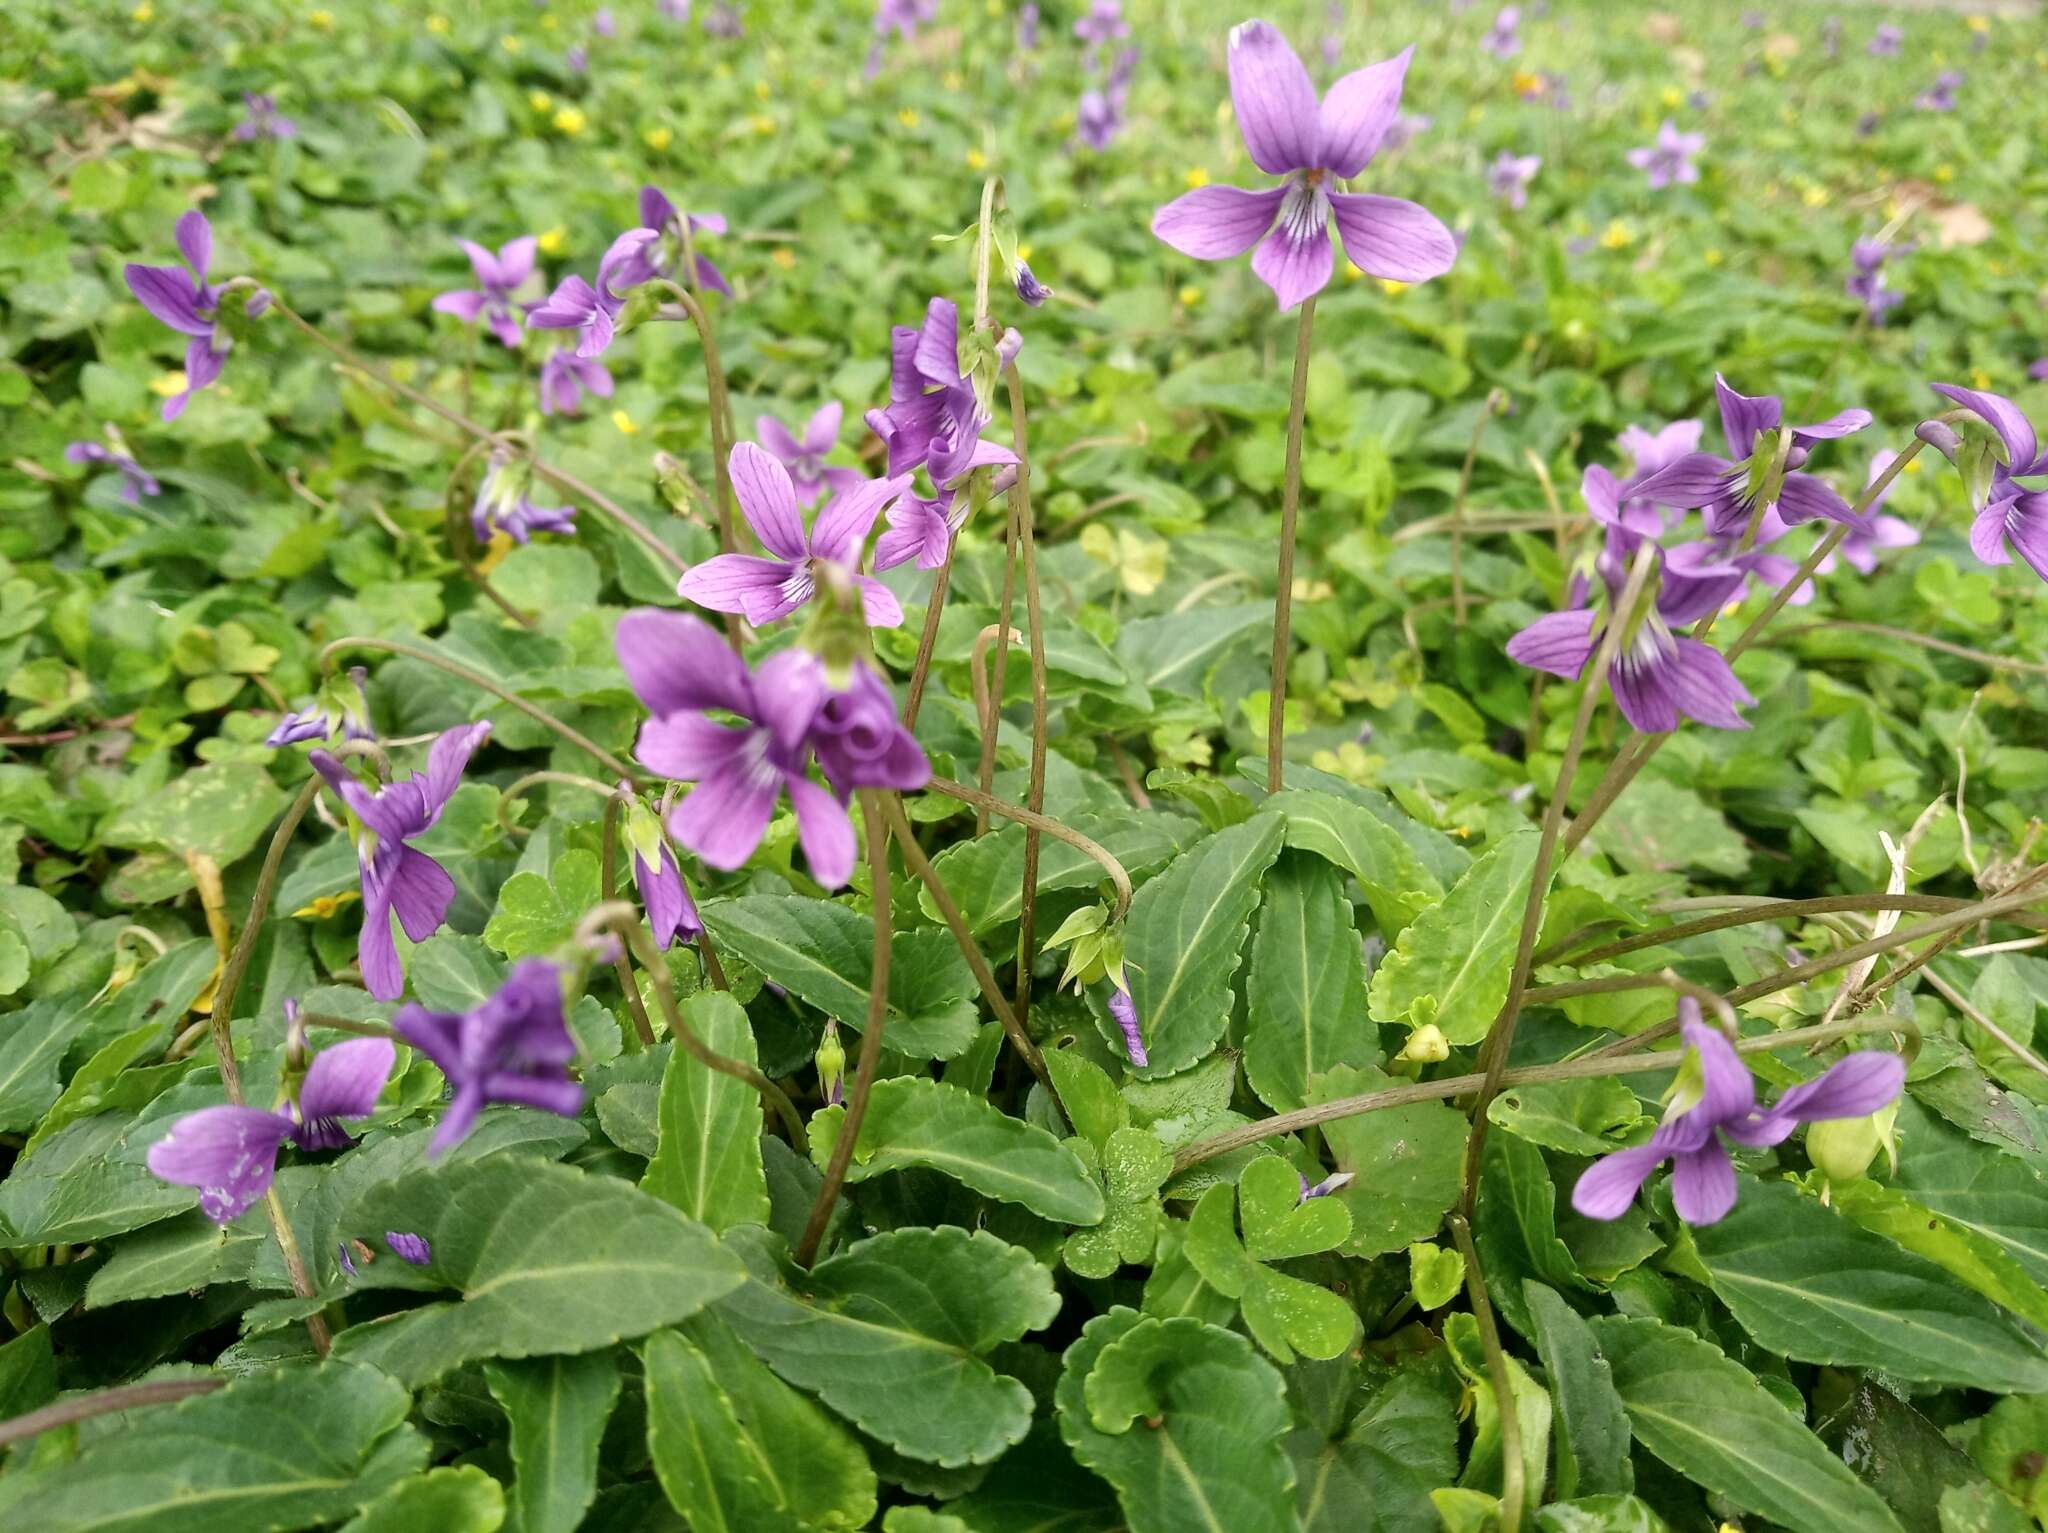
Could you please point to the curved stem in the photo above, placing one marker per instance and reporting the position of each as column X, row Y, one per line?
column 1513, row 1490
column 871, row 1035
column 461, row 539
column 127, row 1398
column 461, row 672
column 1984, row 658
column 983, row 706
column 720, row 406
column 992, row 729
column 946, row 788
column 1764, row 909
column 607, row 886
column 1020, row 511
column 1283, row 597
column 533, row 780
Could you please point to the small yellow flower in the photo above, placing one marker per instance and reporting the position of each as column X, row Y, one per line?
column 952, row 80
column 1979, row 379
column 1392, row 288
column 326, row 906
column 555, row 240
column 1714, row 256
column 976, row 160
column 1815, row 196
column 510, row 43
column 994, row 9
column 168, row 384
column 1190, row 296
column 144, row 12
column 658, row 139
column 1526, row 84
column 908, row 117
column 1913, row 466
column 1673, row 96
column 1977, row 23
column 322, row 20
column 1617, row 236
column 1474, row 115
column 784, row 257
column 548, row 23
column 571, row 120
column 762, row 90
column 438, row 25
column 1197, row 178
column 1023, row 252
column 762, row 124
column 540, row 101
column 625, row 423
column 1944, row 173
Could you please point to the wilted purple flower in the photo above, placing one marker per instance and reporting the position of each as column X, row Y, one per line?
column 724, row 21
column 576, row 305
column 1727, row 491
column 513, row 1047
column 771, row 588
column 1125, row 1010
column 1510, row 177
column 604, row 23
column 413, row 1250
column 1029, row 289
column 577, row 58
column 136, row 481
column 504, row 503
column 190, row 305
column 1886, row 41
column 338, row 710
column 805, row 457
column 499, row 277
column 1336, row 1181
column 1713, row 1100
column 1504, row 39
column 564, row 376
column 934, row 417
column 1027, row 28
column 2011, row 518
column 684, row 671
column 230, row 1153
column 1103, row 22
column 263, row 120
column 1866, row 282
column 1288, row 134
column 860, row 741
column 920, row 529
column 1861, row 549
column 1670, row 158
column 1941, row 95
column 398, row 878
column 671, row 913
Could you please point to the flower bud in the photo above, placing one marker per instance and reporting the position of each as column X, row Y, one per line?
column 1426, row 1046
column 1843, row 1148
column 831, row 1060
column 1941, row 436
column 1029, row 288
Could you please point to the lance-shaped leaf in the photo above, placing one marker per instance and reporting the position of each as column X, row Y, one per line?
column 1515, row 1228
column 819, row 951
column 711, row 1471
column 1809, row 1284
column 1397, row 884
column 1592, row 1428
column 1377, row 1477
column 1183, row 937
column 1283, row 1312
column 558, row 1407
column 891, row 1332
column 1708, row 1418
column 985, row 875
column 914, row 1121
column 707, row 1160
column 548, row 1259
column 1999, row 1196
column 32, row 1044
column 451, row 1499
column 1485, row 1462
column 1972, row 1258
column 290, row 1448
column 1305, row 998
column 1093, row 1105
column 1184, row 1420
column 1134, row 1167
column 1452, row 963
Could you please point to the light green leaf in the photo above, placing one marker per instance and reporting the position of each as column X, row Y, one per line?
column 1134, row 1167
column 1094, row 1107
column 1184, row 1420
column 1578, row 1117
column 1973, row 1258
column 1278, row 1222
column 1405, row 1163
column 1183, row 936
column 1453, row 961
column 1592, row 1428
column 451, row 1499
column 1436, row 1274
column 1515, row 1228
column 985, row 875
column 1610, row 1513
column 88, row 1181
column 1397, row 884
column 537, row 915
column 1377, row 1477
column 1998, row 1196
column 1485, row 1460
column 708, row 1159
column 558, row 1408
column 1813, row 1286
column 890, row 1334
column 548, row 1259
column 1709, row 1419
column 914, row 1121
column 1305, row 998
column 711, row 1471
column 220, row 811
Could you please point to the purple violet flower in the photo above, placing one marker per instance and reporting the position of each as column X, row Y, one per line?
column 1402, row 130
column 1886, row 41
column 861, row 743
column 504, row 503
column 576, row 305
column 1030, row 290
column 1103, row 22
column 904, row 17
column 513, row 1047
column 189, row 304
column 1125, row 1010
column 1504, row 39
column 413, row 1250
column 499, row 277
column 1866, row 282
column 671, row 913
column 263, row 120
column 1726, row 489
column 805, row 457
column 724, row 21
column 564, row 378
column 1288, row 134
column 1510, row 177
column 1027, row 28
column 934, row 416
column 1713, row 1100
column 674, row 10
column 398, row 878
column 604, row 23
column 230, row 1153
column 136, row 481
column 577, row 59
column 1670, row 158
column 338, row 710
column 765, row 589
column 1941, row 95
column 1336, row 1181
column 920, row 529
column 655, row 249
column 1099, row 119
column 2038, row 369
column 2011, row 518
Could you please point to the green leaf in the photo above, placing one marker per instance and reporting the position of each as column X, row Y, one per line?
column 1659, row 826
column 708, row 1159
column 1709, row 1419
column 1405, row 1163
column 1377, row 1477
column 1183, row 936
column 1981, row 1509
column 2008, row 1449
column 1305, row 997
column 1997, row 1196
column 28, row 1373
column 985, row 875
column 914, row 1121
column 32, row 1045
column 537, row 915
column 1900, row 1452
column 452, row 1499
column 98, row 1085
column 891, row 1332
column 548, row 1259
column 288, row 1448
column 1134, row 1167
column 1452, row 963
column 1436, row 1274
column 558, row 1408
column 220, row 811
column 1609, row 1513
column 1284, row 1313
column 717, row 1476
column 88, row 1182
column 1397, row 885
column 820, row 951
column 1588, row 1117
column 1974, row 1259
column 1484, row 1463
column 1515, row 1228
column 1812, row 1286
column 1094, row 1107
column 1184, row 1420
column 1278, row 1222
column 1591, row 1426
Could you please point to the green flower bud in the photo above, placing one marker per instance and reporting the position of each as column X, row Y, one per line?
column 831, row 1060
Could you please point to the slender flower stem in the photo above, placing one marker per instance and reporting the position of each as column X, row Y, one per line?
column 919, row 864
column 984, row 706
column 1775, row 910
column 992, row 727
column 461, row 672
column 1457, row 517
column 720, row 408
column 313, row 1019
column 1513, row 1490
column 1502, row 1034
column 946, row 788
column 1999, row 1035
column 1020, row 511
column 871, row 1035
column 1985, row 658
column 1283, row 596
column 531, row 780
column 928, row 640
column 607, row 886
column 84, row 1407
